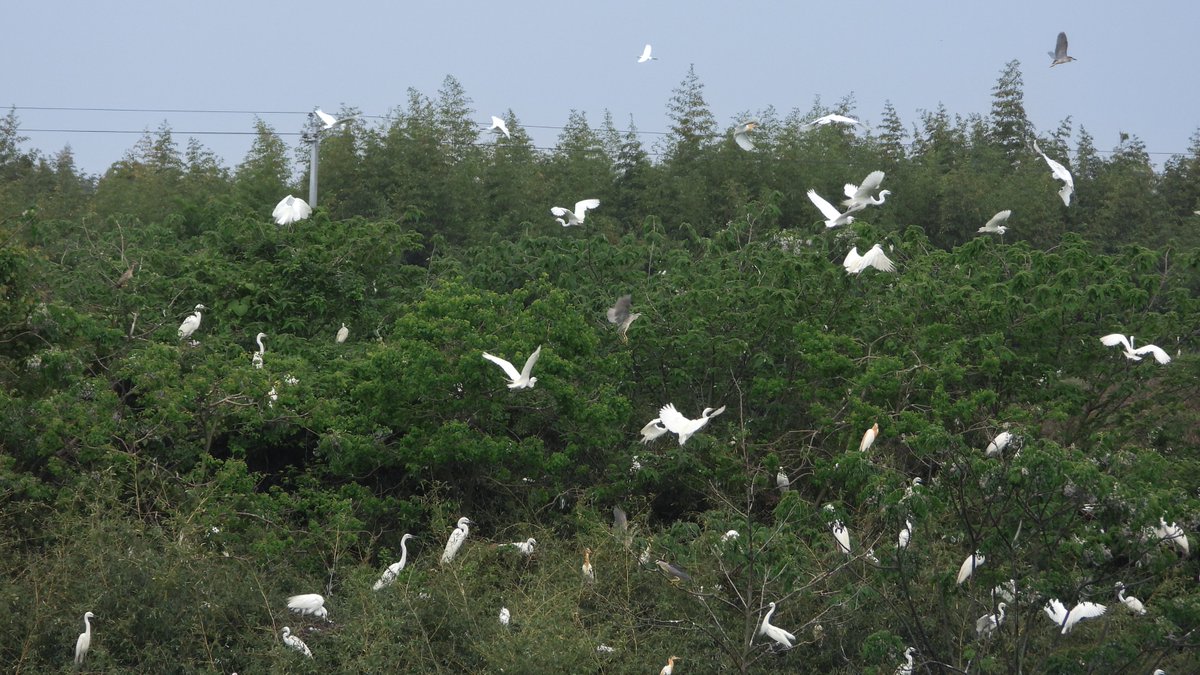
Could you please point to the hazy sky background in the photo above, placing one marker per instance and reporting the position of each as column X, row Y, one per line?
column 1136, row 70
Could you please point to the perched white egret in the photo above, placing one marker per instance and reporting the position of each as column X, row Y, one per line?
column 257, row 359
column 868, row 438
column 1006, row 591
column 499, row 126
column 782, row 481
column 342, row 334
column 1059, row 55
column 996, row 224
column 272, row 396
column 784, row 638
column 841, row 535
column 389, row 575
column 620, row 315
column 987, row 624
column 907, row 668
column 525, row 547
column 676, row 423
column 577, row 216
column 653, row 430
column 1131, row 602
column 831, row 119
column 290, row 210
column 309, row 603
column 1067, row 619
column 909, row 489
column 833, row 217
column 295, row 642
column 673, row 572
column 646, row 55
column 457, row 537
column 731, row 535
column 855, row 263
column 505, row 615
column 670, row 667
column 968, row 567
column 589, row 574
column 905, row 534
column 191, row 323
column 862, row 195
column 998, row 444
column 741, row 135
column 1060, row 172
column 84, row 642
column 1174, row 534
column 520, row 380
column 1115, row 339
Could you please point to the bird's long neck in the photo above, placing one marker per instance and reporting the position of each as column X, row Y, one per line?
column 87, row 625
column 261, row 348
column 767, row 618
column 403, row 552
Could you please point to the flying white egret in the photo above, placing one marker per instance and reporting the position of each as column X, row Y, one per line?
column 309, row 603
column 1060, row 172
column 670, row 667
column 457, row 537
column 589, row 574
column 1067, row 619
column 676, row 423
column 329, row 121
column 389, row 575
column 342, row 334
column 673, row 572
column 905, row 534
column 730, row 535
column 855, row 263
column 782, row 481
column 968, row 567
column 1115, row 339
column 784, row 638
column 907, row 668
column 996, row 224
column 1131, row 602
column 831, row 119
column 295, row 642
column 525, row 547
column 499, row 125
column 653, row 429
column 290, row 210
column 741, row 135
column 833, row 217
column 190, row 324
column 987, row 624
column 577, row 216
column 998, row 444
column 646, row 55
column 84, row 642
column 842, row 536
column 505, row 615
column 868, row 438
column 861, row 195
column 1059, row 55
column 257, row 359
column 620, row 315
column 520, row 380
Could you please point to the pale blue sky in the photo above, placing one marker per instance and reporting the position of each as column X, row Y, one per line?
column 1135, row 73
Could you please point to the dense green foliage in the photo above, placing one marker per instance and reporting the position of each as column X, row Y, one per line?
column 155, row 483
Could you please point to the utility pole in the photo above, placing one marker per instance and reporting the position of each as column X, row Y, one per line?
column 312, row 169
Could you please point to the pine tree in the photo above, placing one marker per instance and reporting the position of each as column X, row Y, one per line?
column 692, row 123
column 1009, row 125
column 892, row 134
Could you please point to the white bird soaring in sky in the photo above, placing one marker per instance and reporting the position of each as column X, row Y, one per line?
column 577, row 216
column 457, row 537
column 1115, row 339
column 389, row 575
column 1131, row 602
column 499, row 125
column 1059, row 55
column 998, row 444
column 1067, row 619
column 996, row 224
column 646, row 55
column 1060, row 172
column 190, row 324
column 309, row 603
column 84, row 642
column 676, row 423
column 329, row 121
column 521, row 380
column 968, row 567
column 525, row 547
column 784, row 638
column 295, row 642
column 620, row 315
column 987, row 624
column 833, row 217
column 875, row 257
column 291, row 209
column 741, row 135
column 831, row 119
column 862, row 195
column 868, row 438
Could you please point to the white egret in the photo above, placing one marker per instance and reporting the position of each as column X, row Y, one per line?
column 861, row 195
column 784, row 638
column 998, row 444
column 520, row 380
column 620, row 520
column 908, row 490
column 968, row 567
column 191, row 323
column 996, row 224
column 1006, row 591
column 676, row 423
column 342, row 334
column 1115, row 339
column 272, row 396
column 670, row 667
column 577, row 216
column 833, row 217
column 782, row 481
column 295, row 642
column 457, row 537
column 987, row 624
column 907, row 668
column 855, row 263
column 842, row 536
column 1059, row 55
column 589, row 574
column 620, row 316
column 741, row 135
column 389, row 575
column 499, row 125
column 290, row 210
column 1067, row 619
column 730, row 536
column 505, row 615
column 868, row 438
column 653, row 430
column 84, row 642
column 257, row 359
column 1174, row 534
column 645, row 555
column 905, row 534
column 1131, row 602
column 329, row 121
column 525, row 547
column 309, row 603
column 831, row 119
column 1060, row 172
column 673, row 572
column 646, row 55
